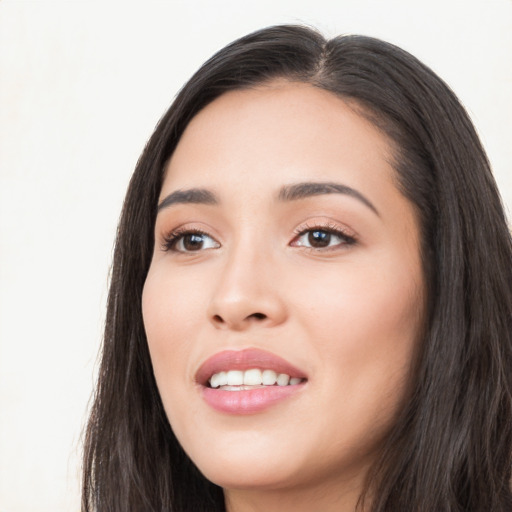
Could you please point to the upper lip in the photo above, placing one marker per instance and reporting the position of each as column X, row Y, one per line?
column 245, row 360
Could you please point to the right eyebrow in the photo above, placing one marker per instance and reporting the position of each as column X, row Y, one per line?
column 189, row 196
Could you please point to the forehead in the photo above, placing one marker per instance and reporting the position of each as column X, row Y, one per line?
column 278, row 133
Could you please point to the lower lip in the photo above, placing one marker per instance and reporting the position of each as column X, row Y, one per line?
column 248, row 401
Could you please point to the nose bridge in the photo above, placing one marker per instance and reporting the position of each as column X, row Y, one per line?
column 246, row 291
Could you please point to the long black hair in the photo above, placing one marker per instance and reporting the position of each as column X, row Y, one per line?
column 451, row 446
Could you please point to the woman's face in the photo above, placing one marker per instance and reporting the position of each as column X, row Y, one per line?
column 283, row 247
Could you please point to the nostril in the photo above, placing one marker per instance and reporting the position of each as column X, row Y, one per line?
column 235, row 322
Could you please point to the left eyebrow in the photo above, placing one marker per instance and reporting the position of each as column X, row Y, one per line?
column 310, row 188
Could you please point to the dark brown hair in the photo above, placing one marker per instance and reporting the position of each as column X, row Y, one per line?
column 451, row 447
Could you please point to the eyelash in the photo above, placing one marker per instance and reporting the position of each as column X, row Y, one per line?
column 329, row 228
column 174, row 237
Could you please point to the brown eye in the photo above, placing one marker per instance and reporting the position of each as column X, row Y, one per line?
column 189, row 241
column 319, row 239
column 193, row 242
column 323, row 239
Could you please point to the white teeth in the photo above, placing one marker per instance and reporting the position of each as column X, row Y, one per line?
column 222, row 379
column 214, row 380
column 252, row 377
column 219, row 379
column 269, row 377
column 283, row 379
column 237, row 388
column 235, row 378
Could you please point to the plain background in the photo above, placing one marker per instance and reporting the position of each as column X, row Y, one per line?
column 82, row 85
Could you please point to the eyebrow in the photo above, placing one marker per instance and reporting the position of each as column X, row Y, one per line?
column 287, row 193
column 190, row 196
column 309, row 189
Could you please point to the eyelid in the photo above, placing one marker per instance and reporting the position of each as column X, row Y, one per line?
column 325, row 225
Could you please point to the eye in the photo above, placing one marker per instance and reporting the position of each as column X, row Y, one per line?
column 189, row 241
column 322, row 238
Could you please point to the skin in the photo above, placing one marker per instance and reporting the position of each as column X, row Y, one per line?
column 348, row 314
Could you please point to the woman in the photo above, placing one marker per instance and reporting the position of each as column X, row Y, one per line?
column 310, row 306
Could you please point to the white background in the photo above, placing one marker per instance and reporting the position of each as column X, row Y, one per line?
column 82, row 85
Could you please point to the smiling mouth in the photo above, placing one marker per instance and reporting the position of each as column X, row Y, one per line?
column 241, row 382
column 254, row 378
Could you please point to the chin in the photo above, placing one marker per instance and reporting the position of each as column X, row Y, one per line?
column 238, row 474
column 244, row 461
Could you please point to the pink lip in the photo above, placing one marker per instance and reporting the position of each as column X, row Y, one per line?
column 246, row 401
column 245, row 360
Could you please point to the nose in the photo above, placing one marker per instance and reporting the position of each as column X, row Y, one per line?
column 247, row 294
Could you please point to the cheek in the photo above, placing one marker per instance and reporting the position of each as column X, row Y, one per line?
column 366, row 325
column 173, row 304
column 170, row 310
column 380, row 298
column 173, row 308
